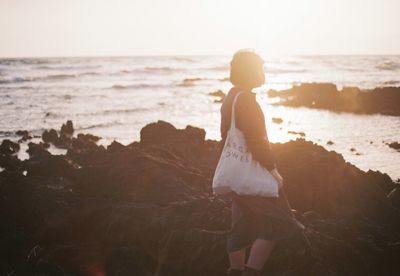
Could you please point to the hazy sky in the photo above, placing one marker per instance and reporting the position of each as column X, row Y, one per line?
column 151, row 27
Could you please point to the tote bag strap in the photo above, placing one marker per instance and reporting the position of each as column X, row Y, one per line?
column 233, row 125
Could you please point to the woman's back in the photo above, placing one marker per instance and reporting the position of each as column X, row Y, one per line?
column 250, row 120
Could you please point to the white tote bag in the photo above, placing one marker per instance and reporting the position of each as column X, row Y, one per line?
column 237, row 171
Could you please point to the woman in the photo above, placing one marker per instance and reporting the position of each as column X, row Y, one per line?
column 257, row 221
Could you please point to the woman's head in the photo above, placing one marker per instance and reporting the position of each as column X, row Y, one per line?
column 247, row 69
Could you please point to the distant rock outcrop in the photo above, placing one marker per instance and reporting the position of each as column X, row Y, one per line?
column 219, row 94
column 394, row 145
column 385, row 100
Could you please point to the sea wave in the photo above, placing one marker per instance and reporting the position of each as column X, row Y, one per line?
column 151, row 69
column 68, row 67
column 13, row 80
column 53, row 77
column 6, row 133
column 124, row 110
column 187, row 59
column 135, row 86
column 162, row 69
column 190, row 82
column 101, row 125
column 285, row 71
column 113, row 111
column 218, row 68
column 89, row 74
column 388, row 65
column 31, row 79
column 57, row 77
column 391, row 83
column 26, row 61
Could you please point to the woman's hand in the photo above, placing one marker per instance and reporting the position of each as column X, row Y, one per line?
column 278, row 177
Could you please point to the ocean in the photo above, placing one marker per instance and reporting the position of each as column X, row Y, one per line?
column 114, row 97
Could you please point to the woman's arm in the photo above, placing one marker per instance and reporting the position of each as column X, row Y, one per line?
column 250, row 120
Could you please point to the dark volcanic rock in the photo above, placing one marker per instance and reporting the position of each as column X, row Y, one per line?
column 384, row 100
column 22, row 132
column 148, row 209
column 67, row 129
column 394, row 197
column 38, row 149
column 64, row 140
column 219, row 94
column 301, row 133
column 394, row 145
column 163, row 133
column 88, row 137
column 25, row 135
column 8, row 147
column 277, row 120
column 50, row 136
column 115, row 146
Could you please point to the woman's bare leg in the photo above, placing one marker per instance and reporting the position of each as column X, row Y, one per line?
column 259, row 253
column 237, row 259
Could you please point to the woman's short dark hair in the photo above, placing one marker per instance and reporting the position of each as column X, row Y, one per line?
column 247, row 69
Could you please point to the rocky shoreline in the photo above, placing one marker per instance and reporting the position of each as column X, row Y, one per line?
column 384, row 100
column 147, row 208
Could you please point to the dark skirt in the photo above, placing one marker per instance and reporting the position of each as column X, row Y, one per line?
column 256, row 217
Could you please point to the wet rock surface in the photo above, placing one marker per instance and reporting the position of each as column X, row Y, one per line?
column 219, row 94
column 277, row 120
column 8, row 147
column 394, row 145
column 385, row 100
column 67, row 129
column 147, row 209
column 24, row 135
column 301, row 133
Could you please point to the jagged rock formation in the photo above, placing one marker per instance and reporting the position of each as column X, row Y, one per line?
column 385, row 100
column 147, row 209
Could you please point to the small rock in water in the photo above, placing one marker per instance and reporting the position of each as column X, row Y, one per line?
column 25, row 135
column 219, row 94
column 394, row 145
column 22, row 132
column 88, row 137
column 277, row 120
column 67, row 128
column 8, row 147
column 330, row 142
column 50, row 136
column 301, row 133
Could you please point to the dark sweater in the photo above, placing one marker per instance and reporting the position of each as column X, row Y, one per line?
column 249, row 119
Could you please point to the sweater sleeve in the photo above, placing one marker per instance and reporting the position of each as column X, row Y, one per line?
column 250, row 120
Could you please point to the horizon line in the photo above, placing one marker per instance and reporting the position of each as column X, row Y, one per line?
column 187, row 55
